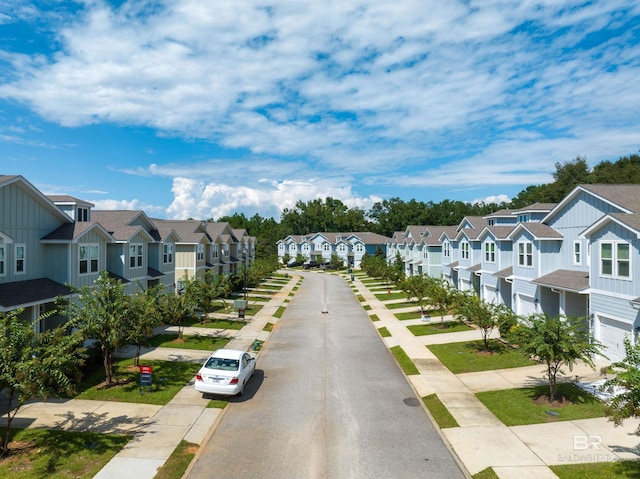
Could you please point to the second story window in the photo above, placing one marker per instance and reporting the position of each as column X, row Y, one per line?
column 525, row 254
column 20, row 258
column 326, row 247
column 615, row 260
column 523, row 218
column 490, row 252
column 167, row 253
column 577, row 253
column 2, row 261
column 342, row 248
column 359, row 248
column 88, row 258
column 83, row 215
column 135, row 255
column 214, row 251
column 464, row 250
column 446, row 249
column 200, row 253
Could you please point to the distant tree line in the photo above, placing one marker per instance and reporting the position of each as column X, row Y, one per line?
column 390, row 215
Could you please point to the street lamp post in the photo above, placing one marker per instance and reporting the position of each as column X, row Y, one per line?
column 244, row 273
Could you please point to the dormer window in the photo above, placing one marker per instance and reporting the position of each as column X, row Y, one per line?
column 83, row 215
column 523, row 218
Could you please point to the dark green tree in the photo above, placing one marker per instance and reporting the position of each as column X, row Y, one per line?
column 35, row 365
column 102, row 313
column 144, row 315
column 625, row 404
column 557, row 341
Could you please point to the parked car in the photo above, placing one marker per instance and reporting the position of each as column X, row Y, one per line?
column 225, row 372
column 311, row 264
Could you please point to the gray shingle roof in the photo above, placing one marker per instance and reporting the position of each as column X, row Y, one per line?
column 568, row 280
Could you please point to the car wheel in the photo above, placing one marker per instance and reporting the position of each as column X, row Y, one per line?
column 241, row 390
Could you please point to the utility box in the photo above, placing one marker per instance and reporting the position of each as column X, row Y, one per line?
column 240, row 304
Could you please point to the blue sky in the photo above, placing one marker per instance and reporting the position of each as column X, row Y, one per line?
column 191, row 108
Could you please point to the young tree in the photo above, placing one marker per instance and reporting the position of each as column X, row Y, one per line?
column 557, row 341
column 442, row 296
column 101, row 312
column 416, row 287
column 144, row 316
column 475, row 310
column 175, row 307
column 35, row 365
column 626, row 404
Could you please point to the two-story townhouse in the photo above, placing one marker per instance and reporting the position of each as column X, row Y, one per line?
column 364, row 243
column 450, row 255
column 128, row 257
column 29, row 279
column 395, row 247
column 190, row 257
column 468, row 246
column 413, row 246
column 496, row 263
column 432, row 250
column 222, row 252
column 292, row 246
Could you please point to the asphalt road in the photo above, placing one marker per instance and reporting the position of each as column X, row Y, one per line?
column 327, row 401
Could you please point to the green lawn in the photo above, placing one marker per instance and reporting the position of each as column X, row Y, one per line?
column 178, row 462
column 437, row 328
column 59, row 454
column 215, row 323
column 405, row 304
column 599, row 470
column 384, row 332
column 394, row 295
column 202, row 343
column 408, row 315
column 168, row 378
column 516, row 407
column 468, row 356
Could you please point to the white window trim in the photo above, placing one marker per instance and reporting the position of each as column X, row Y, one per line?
column 577, row 253
column 24, row 259
column 88, row 260
column 200, row 252
column 446, row 247
column 490, row 254
column 138, row 247
column 171, row 253
column 464, row 250
column 3, row 260
column 614, row 260
column 524, row 254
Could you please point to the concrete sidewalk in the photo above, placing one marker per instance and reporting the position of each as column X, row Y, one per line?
column 481, row 440
column 157, row 429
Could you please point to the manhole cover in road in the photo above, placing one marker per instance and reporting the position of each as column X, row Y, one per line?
column 413, row 402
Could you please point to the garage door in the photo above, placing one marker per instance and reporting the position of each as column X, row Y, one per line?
column 612, row 334
column 490, row 294
column 526, row 305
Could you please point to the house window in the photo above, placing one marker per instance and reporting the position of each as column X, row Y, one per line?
column 446, row 249
column 425, row 253
column 577, row 253
column 167, row 253
column 135, row 256
column 615, row 260
column 359, row 248
column 225, row 250
column 490, row 252
column 83, row 215
column 305, row 247
column 491, row 222
column 342, row 248
column 525, row 254
column 20, row 258
column 2, row 260
column 523, row 218
column 214, row 251
column 200, row 253
column 326, row 247
column 88, row 258
column 464, row 250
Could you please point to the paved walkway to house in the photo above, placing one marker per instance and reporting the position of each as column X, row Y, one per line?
column 481, row 441
column 158, row 429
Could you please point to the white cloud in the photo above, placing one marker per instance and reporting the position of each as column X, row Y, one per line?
column 327, row 94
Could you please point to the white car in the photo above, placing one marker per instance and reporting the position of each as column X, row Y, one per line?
column 225, row 372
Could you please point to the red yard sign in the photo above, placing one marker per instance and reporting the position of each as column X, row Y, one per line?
column 145, row 369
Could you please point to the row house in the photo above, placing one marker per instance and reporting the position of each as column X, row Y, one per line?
column 320, row 247
column 51, row 244
column 579, row 257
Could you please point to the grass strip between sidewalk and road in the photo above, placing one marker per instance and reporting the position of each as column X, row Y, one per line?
column 178, row 462
column 517, row 407
column 440, row 413
column 404, row 361
column 59, row 454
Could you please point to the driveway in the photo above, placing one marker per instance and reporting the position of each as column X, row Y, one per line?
column 328, row 401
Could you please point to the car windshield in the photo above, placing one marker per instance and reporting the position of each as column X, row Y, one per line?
column 221, row 363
